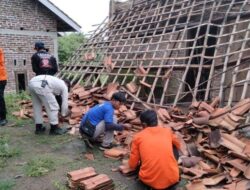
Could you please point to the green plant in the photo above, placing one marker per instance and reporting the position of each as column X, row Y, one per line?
column 59, row 186
column 39, row 166
column 5, row 149
column 12, row 102
column 7, row 184
column 12, row 99
column 69, row 44
column 3, row 162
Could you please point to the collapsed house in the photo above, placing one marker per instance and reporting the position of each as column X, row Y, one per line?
column 173, row 52
column 185, row 51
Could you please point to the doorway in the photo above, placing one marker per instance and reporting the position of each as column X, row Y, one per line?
column 21, row 81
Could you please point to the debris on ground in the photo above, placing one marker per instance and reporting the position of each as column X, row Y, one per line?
column 215, row 152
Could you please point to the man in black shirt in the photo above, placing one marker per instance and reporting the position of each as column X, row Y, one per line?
column 42, row 62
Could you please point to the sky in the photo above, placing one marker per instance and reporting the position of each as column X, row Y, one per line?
column 85, row 12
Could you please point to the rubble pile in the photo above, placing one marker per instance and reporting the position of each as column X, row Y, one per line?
column 214, row 153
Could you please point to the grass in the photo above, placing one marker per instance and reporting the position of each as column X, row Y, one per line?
column 12, row 105
column 59, row 186
column 39, row 166
column 7, row 184
column 6, row 151
column 43, row 164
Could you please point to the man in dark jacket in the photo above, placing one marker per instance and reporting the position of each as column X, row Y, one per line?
column 42, row 62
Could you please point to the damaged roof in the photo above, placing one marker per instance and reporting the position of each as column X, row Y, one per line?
column 176, row 52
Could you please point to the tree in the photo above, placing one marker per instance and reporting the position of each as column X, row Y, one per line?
column 68, row 44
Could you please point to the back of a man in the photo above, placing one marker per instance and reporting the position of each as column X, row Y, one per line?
column 42, row 62
column 152, row 151
column 43, row 89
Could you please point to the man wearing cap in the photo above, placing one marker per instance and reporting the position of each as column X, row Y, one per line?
column 3, row 81
column 42, row 62
column 101, row 120
column 153, row 151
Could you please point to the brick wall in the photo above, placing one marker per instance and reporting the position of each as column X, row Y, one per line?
column 27, row 22
column 28, row 14
column 18, row 50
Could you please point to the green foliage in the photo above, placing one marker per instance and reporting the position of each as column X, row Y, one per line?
column 59, row 186
column 12, row 103
column 12, row 100
column 6, row 150
column 7, row 184
column 39, row 166
column 68, row 44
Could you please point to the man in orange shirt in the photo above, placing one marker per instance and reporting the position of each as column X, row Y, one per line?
column 3, row 82
column 152, row 150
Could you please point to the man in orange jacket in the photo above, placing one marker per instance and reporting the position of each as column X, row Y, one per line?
column 3, row 82
column 152, row 150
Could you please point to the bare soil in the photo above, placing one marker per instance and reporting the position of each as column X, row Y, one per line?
column 66, row 151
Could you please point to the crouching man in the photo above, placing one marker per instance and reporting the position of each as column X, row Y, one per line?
column 43, row 89
column 152, row 151
column 101, row 120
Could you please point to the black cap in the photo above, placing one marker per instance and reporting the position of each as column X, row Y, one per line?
column 119, row 96
column 39, row 45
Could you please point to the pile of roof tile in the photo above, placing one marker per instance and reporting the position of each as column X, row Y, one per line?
column 213, row 152
column 88, row 179
column 80, row 101
column 214, row 155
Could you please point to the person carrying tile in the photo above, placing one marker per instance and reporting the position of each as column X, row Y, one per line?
column 152, row 151
column 43, row 89
column 101, row 120
column 3, row 82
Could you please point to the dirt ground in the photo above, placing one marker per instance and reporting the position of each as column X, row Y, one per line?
column 67, row 153
column 21, row 152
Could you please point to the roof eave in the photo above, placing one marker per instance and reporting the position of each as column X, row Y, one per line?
column 61, row 15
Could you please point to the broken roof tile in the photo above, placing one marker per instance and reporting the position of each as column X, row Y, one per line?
column 241, row 107
column 132, row 87
column 116, row 152
column 205, row 106
column 232, row 143
column 163, row 114
column 190, row 161
column 214, row 180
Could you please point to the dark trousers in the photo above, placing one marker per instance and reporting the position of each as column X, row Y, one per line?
column 2, row 102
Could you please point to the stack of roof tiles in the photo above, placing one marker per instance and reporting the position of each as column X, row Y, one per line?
column 88, row 179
